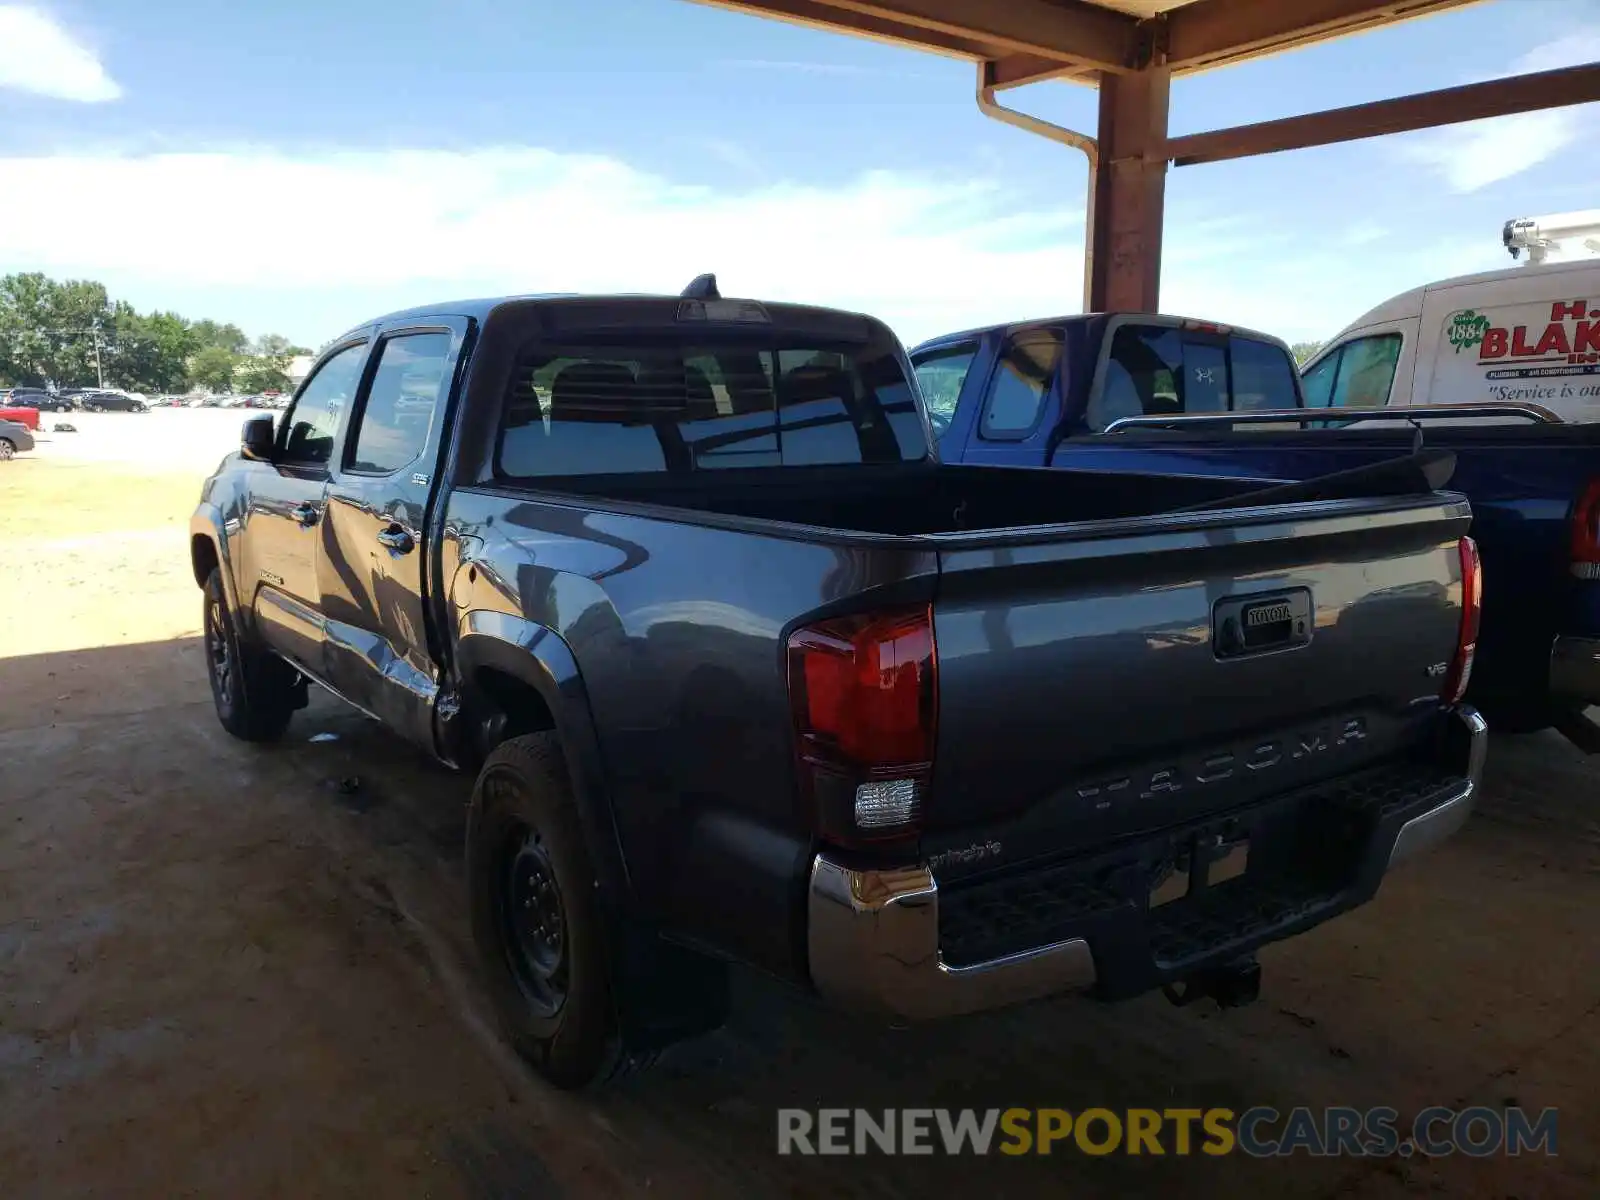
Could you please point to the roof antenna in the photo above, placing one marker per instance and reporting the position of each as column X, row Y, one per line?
column 702, row 287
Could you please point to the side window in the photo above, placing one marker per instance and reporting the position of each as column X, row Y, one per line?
column 1366, row 372
column 1021, row 380
column 941, row 374
column 406, row 390
column 312, row 424
column 1317, row 383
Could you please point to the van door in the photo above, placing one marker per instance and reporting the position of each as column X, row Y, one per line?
column 1530, row 337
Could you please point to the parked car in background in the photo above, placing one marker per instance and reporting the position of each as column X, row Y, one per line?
column 747, row 674
column 1140, row 393
column 112, row 402
column 38, row 398
column 15, row 438
column 22, row 414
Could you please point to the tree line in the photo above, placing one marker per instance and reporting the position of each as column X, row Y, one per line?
column 70, row 333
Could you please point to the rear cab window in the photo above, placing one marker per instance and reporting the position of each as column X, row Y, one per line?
column 679, row 404
column 1170, row 370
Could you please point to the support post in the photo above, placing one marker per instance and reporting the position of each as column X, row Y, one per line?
column 1124, row 261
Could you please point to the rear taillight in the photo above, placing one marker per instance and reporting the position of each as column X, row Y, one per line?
column 1585, row 544
column 865, row 695
column 1455, row 683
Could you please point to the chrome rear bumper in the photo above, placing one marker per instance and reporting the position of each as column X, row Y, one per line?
column 873, row 935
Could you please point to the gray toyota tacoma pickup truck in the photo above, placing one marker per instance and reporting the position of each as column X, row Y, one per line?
column 746, row 675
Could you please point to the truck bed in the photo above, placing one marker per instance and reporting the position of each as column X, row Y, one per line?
column 1072, row 654
column 917, row 498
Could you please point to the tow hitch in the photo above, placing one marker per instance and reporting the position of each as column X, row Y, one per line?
column 1232, row 986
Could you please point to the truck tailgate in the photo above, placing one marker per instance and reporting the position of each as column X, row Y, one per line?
column 1118, row 677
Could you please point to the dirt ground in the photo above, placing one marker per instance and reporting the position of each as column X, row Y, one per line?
column 223, row 974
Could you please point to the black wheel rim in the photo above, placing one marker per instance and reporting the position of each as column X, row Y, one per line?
column 219, row 652
column 533, row 920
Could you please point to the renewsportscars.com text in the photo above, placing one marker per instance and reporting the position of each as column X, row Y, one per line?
column 1261, row 1132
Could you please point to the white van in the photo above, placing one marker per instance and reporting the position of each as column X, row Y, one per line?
column 1528, row 335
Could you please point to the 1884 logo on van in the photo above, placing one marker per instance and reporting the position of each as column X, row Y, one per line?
column 1466, row 328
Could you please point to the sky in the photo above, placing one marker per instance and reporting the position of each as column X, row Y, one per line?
column 299, row 167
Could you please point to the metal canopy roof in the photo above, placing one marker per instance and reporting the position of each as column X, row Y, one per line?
column 1029, row 40
column 1131, row 50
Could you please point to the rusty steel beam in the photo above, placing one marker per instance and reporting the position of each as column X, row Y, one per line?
column 1212, row 33
column 1014, row 70
column 1124, row 259
column 1427, row 110
column 814, row 14
column 1072, row 32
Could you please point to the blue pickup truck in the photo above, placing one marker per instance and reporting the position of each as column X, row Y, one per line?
column 1146, row 393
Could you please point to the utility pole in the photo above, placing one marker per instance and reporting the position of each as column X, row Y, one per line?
column 99, row 371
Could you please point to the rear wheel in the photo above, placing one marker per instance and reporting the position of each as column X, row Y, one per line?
column 7, row 450
column 535, row 918
column 254, row 692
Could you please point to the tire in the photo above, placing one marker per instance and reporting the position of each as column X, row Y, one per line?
column 255, row 693
column 535, row 918
column 7, row 450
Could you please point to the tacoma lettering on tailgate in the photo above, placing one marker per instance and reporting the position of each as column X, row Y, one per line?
column 1208, row 768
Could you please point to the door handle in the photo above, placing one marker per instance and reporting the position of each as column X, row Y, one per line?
column 306, row 514
column 397, row 539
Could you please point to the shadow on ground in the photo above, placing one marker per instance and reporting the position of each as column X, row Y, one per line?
column 244, row 971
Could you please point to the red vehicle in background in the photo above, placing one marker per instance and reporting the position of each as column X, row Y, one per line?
column 28, row 417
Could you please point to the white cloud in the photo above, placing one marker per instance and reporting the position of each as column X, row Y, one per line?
column 38, row 55
column 1473, row 155
column 312, row 243
column 925, row 252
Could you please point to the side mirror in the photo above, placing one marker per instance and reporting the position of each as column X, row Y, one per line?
column 255, row 442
